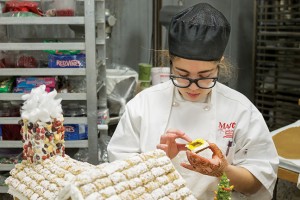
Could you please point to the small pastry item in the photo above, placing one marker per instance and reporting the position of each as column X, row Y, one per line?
column 197, row 145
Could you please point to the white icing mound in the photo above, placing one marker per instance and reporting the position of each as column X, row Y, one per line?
column 41, row 106
column 148, row 175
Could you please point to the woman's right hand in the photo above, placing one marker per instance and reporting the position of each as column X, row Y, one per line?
column 169, row 145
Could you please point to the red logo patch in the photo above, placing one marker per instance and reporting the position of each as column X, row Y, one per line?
column 227, row 129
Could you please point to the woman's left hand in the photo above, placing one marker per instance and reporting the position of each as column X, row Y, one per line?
column 211, row 167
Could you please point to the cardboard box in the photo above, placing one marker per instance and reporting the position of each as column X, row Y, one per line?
column 66, row 61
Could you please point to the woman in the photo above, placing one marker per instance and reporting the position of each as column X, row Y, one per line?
column 193, row 104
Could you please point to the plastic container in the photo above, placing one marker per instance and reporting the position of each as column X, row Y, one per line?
column 65, row 7
column 160, row 75
column 114, row 76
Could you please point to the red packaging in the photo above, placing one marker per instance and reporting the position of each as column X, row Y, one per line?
column 65, row 12
column 25, row 61
column 22, row 6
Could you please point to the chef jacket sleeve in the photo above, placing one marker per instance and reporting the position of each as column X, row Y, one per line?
column 256, row 152
column 125, row 140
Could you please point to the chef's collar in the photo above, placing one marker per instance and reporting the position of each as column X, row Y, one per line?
column 178, row 97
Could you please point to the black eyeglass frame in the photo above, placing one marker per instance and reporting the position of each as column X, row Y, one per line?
column 191, row 81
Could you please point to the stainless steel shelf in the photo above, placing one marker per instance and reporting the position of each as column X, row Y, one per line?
column 3, row 189
column 68, row 120
column 6, row 167
column 42, row 71
column 64, row 96
column 93, row 44
column 18, row 144
column 42, row 46
column 40, row 20
column 100, row 42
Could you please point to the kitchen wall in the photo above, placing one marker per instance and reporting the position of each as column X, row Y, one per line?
column 130, row 43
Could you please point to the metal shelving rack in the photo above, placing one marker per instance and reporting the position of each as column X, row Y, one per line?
column 94, row 46
column 277, row 69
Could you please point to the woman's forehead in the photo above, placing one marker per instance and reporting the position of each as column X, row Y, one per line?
column 193, row 65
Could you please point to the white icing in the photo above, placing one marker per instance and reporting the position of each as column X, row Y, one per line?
column 88, row 189
column 69, row 177
column 94, row 196
column 103, row 183
column 28, row 193
column 107, row 192
column 163, row 161
column 122, row 186
column 49, row 195
column 168, row 168
column 15, row 183
column 183, row 192
column 45, row 184
column 60, row 182
column 169, row 188
column 110, row 169
column 151, row 186
column 51, row 177
column 139, row 191
column 157, row 171
column 162, row 179
column 21, row 175
column 179, row 183
column 22, row 187
column 165, row 198
column 174, row 195
column 135, row 182
column 135, row 170
column 117, row 177
column 114, row 197
column 39, row 189
column 146, row 177
column 151, row 163
column 38, row 177
column 190, row 197
column 158, row 193
column 33, row 184
column 146, row 196
column 135, row 160
column 52, row 187
column 13, row 172
column 40, row 105
column 35, row 196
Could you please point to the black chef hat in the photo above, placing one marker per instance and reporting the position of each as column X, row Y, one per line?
column 200, row 32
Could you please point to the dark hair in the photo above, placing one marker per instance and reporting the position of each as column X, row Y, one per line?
column 226, row 70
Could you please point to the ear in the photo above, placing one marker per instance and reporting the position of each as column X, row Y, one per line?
column 222, row 58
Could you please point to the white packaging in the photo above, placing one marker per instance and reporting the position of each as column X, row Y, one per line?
column 160, row 74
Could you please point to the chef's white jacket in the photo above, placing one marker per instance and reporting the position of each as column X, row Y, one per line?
column 229, row 116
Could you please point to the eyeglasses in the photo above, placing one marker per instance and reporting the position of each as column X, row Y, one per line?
column 185, row 82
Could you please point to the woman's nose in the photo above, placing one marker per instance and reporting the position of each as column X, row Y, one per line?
column 193, row 86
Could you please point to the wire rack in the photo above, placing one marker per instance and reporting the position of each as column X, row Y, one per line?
column 277, row 61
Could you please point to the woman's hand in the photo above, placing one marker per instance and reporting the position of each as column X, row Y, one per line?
column 169, row 145
column 211, row 167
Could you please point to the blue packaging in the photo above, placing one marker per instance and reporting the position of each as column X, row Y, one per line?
column 66, row 61
column 75, row 131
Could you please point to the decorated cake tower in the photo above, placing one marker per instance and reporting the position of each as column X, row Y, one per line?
column 42, row 125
